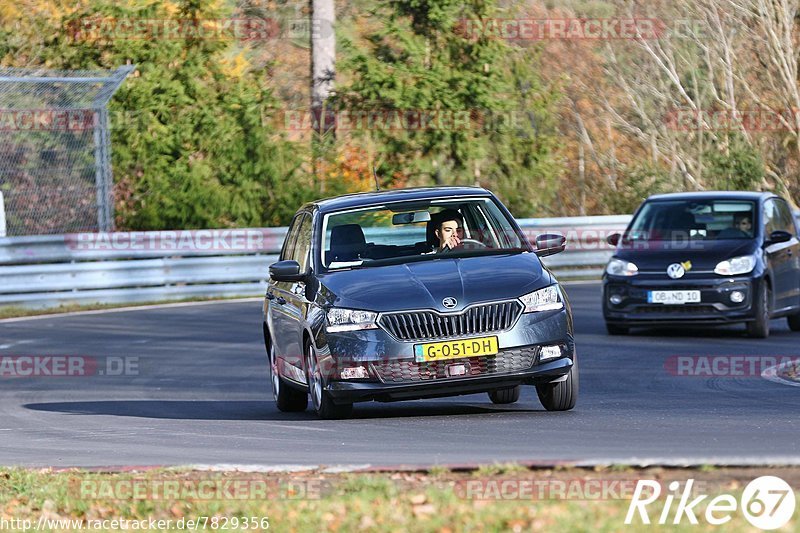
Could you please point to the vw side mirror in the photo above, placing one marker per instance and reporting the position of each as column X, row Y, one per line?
column 778, row 236
column 549, row 244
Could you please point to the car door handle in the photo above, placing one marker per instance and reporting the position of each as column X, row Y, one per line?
column 270, row 296
column 281, row 301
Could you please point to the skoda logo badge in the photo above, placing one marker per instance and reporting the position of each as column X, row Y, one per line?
column 449, row 302
column 675, row 271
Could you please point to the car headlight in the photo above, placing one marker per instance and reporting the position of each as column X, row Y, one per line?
column 547, row 299
column 738, row 265
column 620, row 267
column 340, row 319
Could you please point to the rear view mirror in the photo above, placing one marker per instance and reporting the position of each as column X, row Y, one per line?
column 288, row 270
column 411, row 218
column 778, row 236
column 613, row 239
column 549, row 244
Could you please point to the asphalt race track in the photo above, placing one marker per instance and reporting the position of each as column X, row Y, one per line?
column 198, row 392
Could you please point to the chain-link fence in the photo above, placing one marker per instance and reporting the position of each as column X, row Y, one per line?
column 55, row 160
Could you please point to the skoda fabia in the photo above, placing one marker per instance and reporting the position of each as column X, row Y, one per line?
column 415, row 293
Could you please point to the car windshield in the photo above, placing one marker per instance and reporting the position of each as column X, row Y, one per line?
column 418, row 231
column 681, row 220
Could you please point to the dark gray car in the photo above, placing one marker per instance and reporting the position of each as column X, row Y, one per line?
column 367, row 303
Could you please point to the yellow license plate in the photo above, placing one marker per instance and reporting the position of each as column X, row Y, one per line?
column 442, row 351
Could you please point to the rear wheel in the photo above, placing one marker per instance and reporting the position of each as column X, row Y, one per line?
column 614, row 329
column 794, row 322
column 322, row 402
column 563, row 395
column 505, row 396
column 759, row 328
column 287, row 399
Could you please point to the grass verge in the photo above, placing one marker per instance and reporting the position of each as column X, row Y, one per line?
column 489, row 499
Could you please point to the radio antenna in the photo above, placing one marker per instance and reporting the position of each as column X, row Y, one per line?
column 375, row 175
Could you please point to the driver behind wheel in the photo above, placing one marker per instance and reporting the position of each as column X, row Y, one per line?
column 450, row 230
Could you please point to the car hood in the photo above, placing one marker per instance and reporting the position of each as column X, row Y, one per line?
column 424, row 284
column 704, row 255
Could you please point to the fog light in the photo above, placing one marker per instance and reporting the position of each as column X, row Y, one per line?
column 549, row 352
column 737, row 297
column 615, row 299
column 354, row 372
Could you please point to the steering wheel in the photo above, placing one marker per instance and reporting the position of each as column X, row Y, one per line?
column 471, row 244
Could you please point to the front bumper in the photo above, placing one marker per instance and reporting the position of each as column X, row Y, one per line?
column 715, row 307
column 353, row 391
column 394, row 374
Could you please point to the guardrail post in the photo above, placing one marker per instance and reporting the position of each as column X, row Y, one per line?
column 2, row 216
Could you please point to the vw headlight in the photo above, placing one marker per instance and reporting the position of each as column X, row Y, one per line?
column 738, row 265
column 340, row 319
column 620, row 267
column 547, row 299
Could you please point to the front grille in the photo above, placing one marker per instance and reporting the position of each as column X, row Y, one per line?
column 406, row 370
column 423, row 325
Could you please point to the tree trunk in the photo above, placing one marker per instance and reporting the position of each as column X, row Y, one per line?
column 323, row 73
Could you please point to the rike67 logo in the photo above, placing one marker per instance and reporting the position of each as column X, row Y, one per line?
column 767, row 503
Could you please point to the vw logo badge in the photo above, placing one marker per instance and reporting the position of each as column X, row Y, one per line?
column 675, row 271
column 449, row 302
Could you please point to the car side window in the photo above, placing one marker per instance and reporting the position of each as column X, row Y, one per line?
column 770, row 217
column 287, row 252
column 302, row 247
column 785, row 220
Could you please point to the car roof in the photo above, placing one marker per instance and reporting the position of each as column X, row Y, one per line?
column 362, row 199
column 712, row 195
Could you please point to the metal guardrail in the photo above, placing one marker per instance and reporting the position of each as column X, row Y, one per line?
column 52, row 270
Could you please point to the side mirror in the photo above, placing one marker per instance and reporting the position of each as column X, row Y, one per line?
column 549, row 244
column 613, row 239
column 778, row 236
column 288, row 270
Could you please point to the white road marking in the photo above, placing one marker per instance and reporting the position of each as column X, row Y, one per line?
column 127, row 309
column 772, row 374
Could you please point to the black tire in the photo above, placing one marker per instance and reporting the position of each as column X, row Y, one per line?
column 759, row 328
column 320, row 400
column 505, row 396
column 794, row 322
column 560, row 396
column 614, row 329
column 287, row 399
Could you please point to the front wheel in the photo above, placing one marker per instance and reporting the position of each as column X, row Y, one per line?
column 322, row 402
column 562, row 395
column 759, row 328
